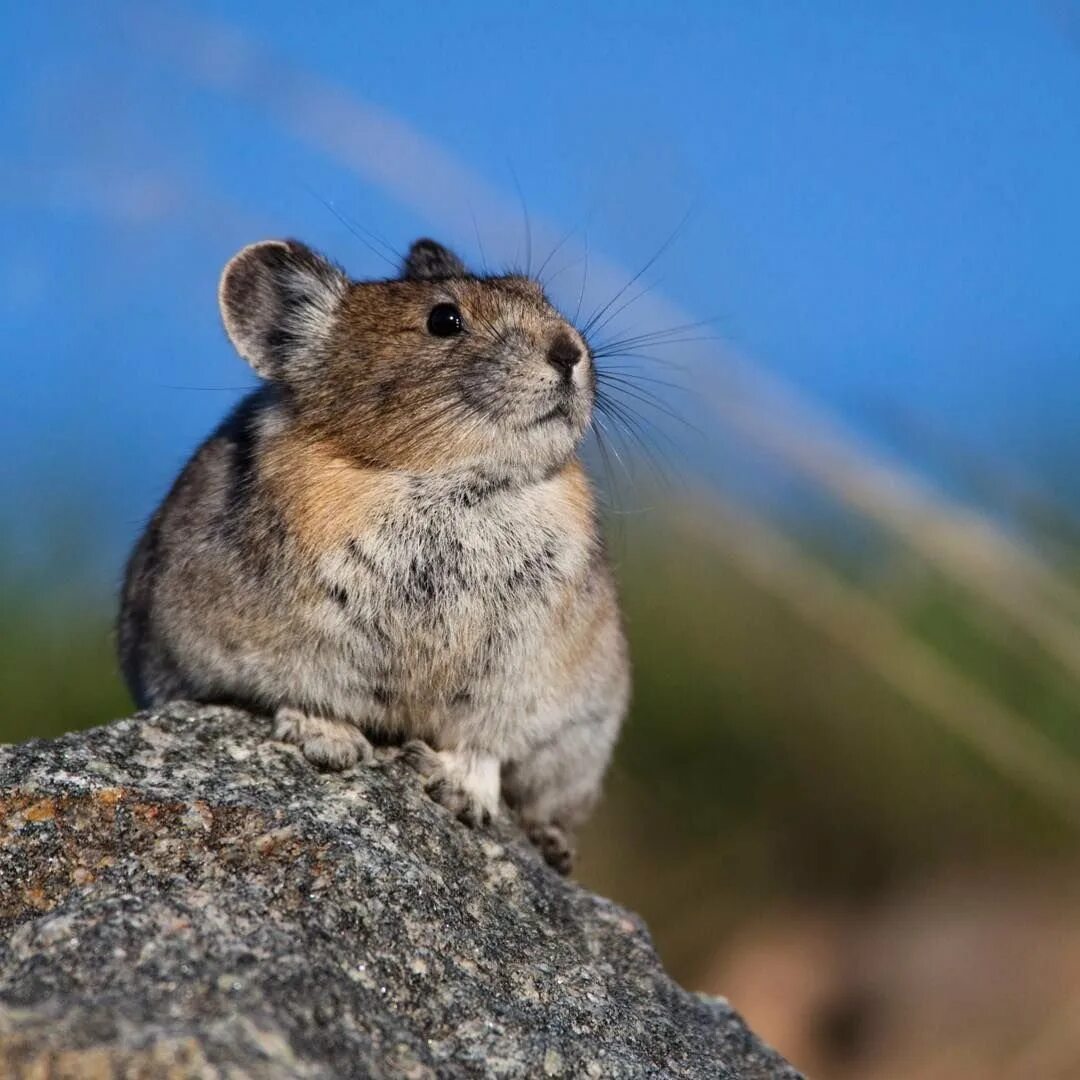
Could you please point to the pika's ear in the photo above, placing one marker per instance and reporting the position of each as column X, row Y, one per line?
column 429, row 261
column 278, row 298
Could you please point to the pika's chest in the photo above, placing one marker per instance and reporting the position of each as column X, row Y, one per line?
column 432, row 575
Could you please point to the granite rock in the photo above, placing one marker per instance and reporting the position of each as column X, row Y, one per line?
column 181, row 897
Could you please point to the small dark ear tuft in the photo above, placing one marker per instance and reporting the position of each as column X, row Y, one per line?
column 429, row 261
column 278, row 298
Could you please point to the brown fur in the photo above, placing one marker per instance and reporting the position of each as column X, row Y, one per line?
column 323, row 497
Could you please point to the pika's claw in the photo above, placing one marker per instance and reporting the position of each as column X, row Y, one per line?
column 554, row 845
column 328, row 744
column 465, row 783
column 465, row 807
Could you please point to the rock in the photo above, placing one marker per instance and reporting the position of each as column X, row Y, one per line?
column 180, row 897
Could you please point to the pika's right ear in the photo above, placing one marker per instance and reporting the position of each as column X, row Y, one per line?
column 278, row 298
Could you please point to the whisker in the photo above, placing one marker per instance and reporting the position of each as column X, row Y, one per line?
column 631, row 421
column 636, row 419
column 556, row 274
column 355, row 229
column 554, row 251
column 479, row 242
column 223, row 389
column 632, row 375
column 601, row 432
column 651, row 337
column 584, row 279
column 528, row 223
column 648, row 265
column 659, row 406
column 627, row 303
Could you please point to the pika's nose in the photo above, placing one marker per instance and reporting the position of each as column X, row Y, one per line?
column 563, row 354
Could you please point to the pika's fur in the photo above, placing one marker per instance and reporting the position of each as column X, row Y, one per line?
column 392, row 541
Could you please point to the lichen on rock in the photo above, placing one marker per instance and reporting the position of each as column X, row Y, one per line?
column 181, row 897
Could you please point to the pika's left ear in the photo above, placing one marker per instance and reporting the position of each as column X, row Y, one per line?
column 429, row 261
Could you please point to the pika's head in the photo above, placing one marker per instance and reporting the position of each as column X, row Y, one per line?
column 436, row 370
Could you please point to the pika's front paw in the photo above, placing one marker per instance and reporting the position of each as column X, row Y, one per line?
column 328, row 744
column 464, row 783
column 554, row 845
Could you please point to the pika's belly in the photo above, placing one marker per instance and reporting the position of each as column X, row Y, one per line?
column 440, row 641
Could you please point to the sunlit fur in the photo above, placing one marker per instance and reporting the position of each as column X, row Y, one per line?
column 394, row 539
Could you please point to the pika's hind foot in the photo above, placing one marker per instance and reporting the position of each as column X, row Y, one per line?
column 555, row 846
column 465, row 783
column 328, row 744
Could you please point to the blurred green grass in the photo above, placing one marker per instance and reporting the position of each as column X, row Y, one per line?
column 765, row 763
column 56, row 659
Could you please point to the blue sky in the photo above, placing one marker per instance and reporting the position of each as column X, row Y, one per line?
column 882, row 198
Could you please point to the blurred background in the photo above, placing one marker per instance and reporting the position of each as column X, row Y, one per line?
column 831, row 253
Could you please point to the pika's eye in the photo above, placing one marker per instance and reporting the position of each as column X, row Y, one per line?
column 445, row 320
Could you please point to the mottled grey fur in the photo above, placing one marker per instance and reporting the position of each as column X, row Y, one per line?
column 392, row 541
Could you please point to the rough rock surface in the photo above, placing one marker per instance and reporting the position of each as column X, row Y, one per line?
column 180, row 897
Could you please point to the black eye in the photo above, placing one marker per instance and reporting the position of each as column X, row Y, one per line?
column 445, row 320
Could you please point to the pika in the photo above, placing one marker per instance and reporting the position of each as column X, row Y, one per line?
column 392, row 542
